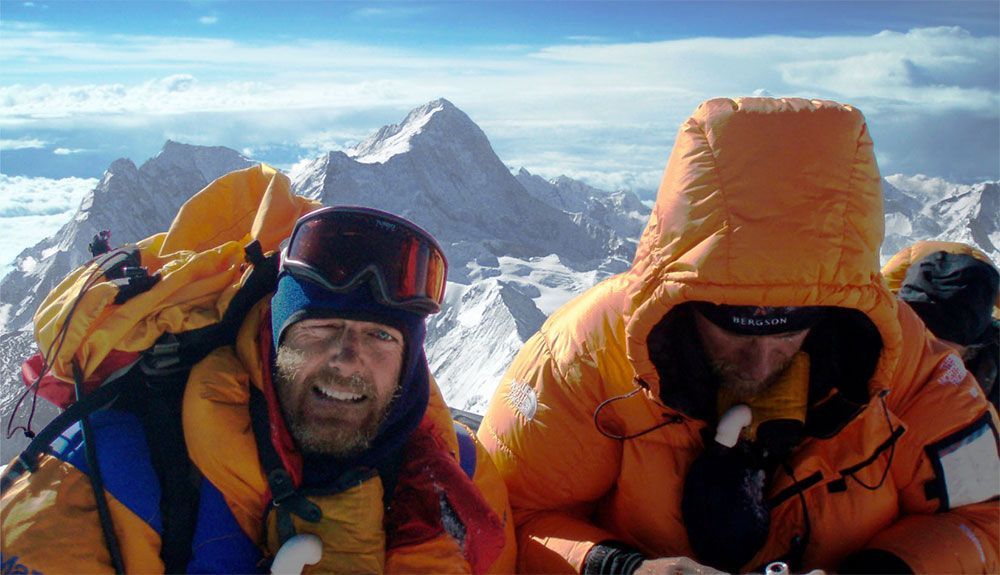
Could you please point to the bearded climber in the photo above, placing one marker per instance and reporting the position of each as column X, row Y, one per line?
column 323, row 441
column 749, row 392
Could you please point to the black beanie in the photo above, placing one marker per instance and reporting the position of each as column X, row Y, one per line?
column 953, row 293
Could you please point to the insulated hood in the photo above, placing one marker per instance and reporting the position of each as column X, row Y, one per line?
column 770, row 202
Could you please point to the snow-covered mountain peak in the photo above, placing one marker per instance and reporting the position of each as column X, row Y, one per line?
column 922, row 208
column 926, row 188
column 207, row 161
column 120, row 166
column 433, row 124
column 437, row 168
column 577, row 187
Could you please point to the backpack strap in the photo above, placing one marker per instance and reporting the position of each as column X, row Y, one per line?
column 27, row 460
column 97, row 480
column 285, row 498
column 179, row 352
column 157, row 401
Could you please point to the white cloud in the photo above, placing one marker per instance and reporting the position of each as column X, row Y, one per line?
column 22, row 144
column 208, row 20
column 329, row 140
column 927, row 186
column 612, row 105
column 176, row 83
column 940, row 67
column 67, row 151
column 34, row 208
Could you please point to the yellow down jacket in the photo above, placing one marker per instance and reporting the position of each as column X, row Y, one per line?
column 49, row 518
column 222, row 445
column 764, row 202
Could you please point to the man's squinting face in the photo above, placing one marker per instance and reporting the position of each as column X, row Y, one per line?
column 747, row 364
column 336, row 379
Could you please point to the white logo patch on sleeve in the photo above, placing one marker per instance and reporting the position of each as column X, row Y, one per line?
column 523, row 398
column 969, row 466
column 951, row 370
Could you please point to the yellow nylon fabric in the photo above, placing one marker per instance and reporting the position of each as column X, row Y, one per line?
column 201, row 264
column 50, row 524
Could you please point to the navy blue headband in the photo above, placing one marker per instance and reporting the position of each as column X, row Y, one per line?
column 760, row 320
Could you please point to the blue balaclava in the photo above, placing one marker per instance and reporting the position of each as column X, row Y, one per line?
column 297, row 299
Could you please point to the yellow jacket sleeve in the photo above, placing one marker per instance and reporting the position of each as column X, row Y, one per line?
column 50, row 525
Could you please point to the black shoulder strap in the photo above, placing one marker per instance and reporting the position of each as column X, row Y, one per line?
column 181, row 351
column 27, row 461
column 285, row 499
column 157, row 398
column 167, row 366
column 180, row 481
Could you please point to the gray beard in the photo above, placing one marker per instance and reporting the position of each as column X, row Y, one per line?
column 339, row 443
column 742, row 388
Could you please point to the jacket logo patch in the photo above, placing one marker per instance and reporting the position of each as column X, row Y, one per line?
column 952, row 370
column 523, row 398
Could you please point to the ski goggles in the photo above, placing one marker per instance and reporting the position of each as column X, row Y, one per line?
column 341, row 247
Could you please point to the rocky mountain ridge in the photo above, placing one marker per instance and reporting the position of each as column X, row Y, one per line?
column 519, row 246
column 437, row 168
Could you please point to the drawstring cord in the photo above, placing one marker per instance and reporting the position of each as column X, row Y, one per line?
column 597, row 423
column 48, row 357
column 799, row 545
column 892, row 449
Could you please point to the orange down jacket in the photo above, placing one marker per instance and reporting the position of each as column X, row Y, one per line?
column 763, row 202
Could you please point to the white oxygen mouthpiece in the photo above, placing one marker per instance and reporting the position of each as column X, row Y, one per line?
column 300, row 550
column 731, row 424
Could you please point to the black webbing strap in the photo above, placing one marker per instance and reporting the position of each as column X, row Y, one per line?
column 97, row 480
column 285, row 499
column 160, row 407
column 176, row 352
column 27, row 461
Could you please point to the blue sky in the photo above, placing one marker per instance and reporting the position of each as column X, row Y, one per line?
column 592, row 90
column 558, row 86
